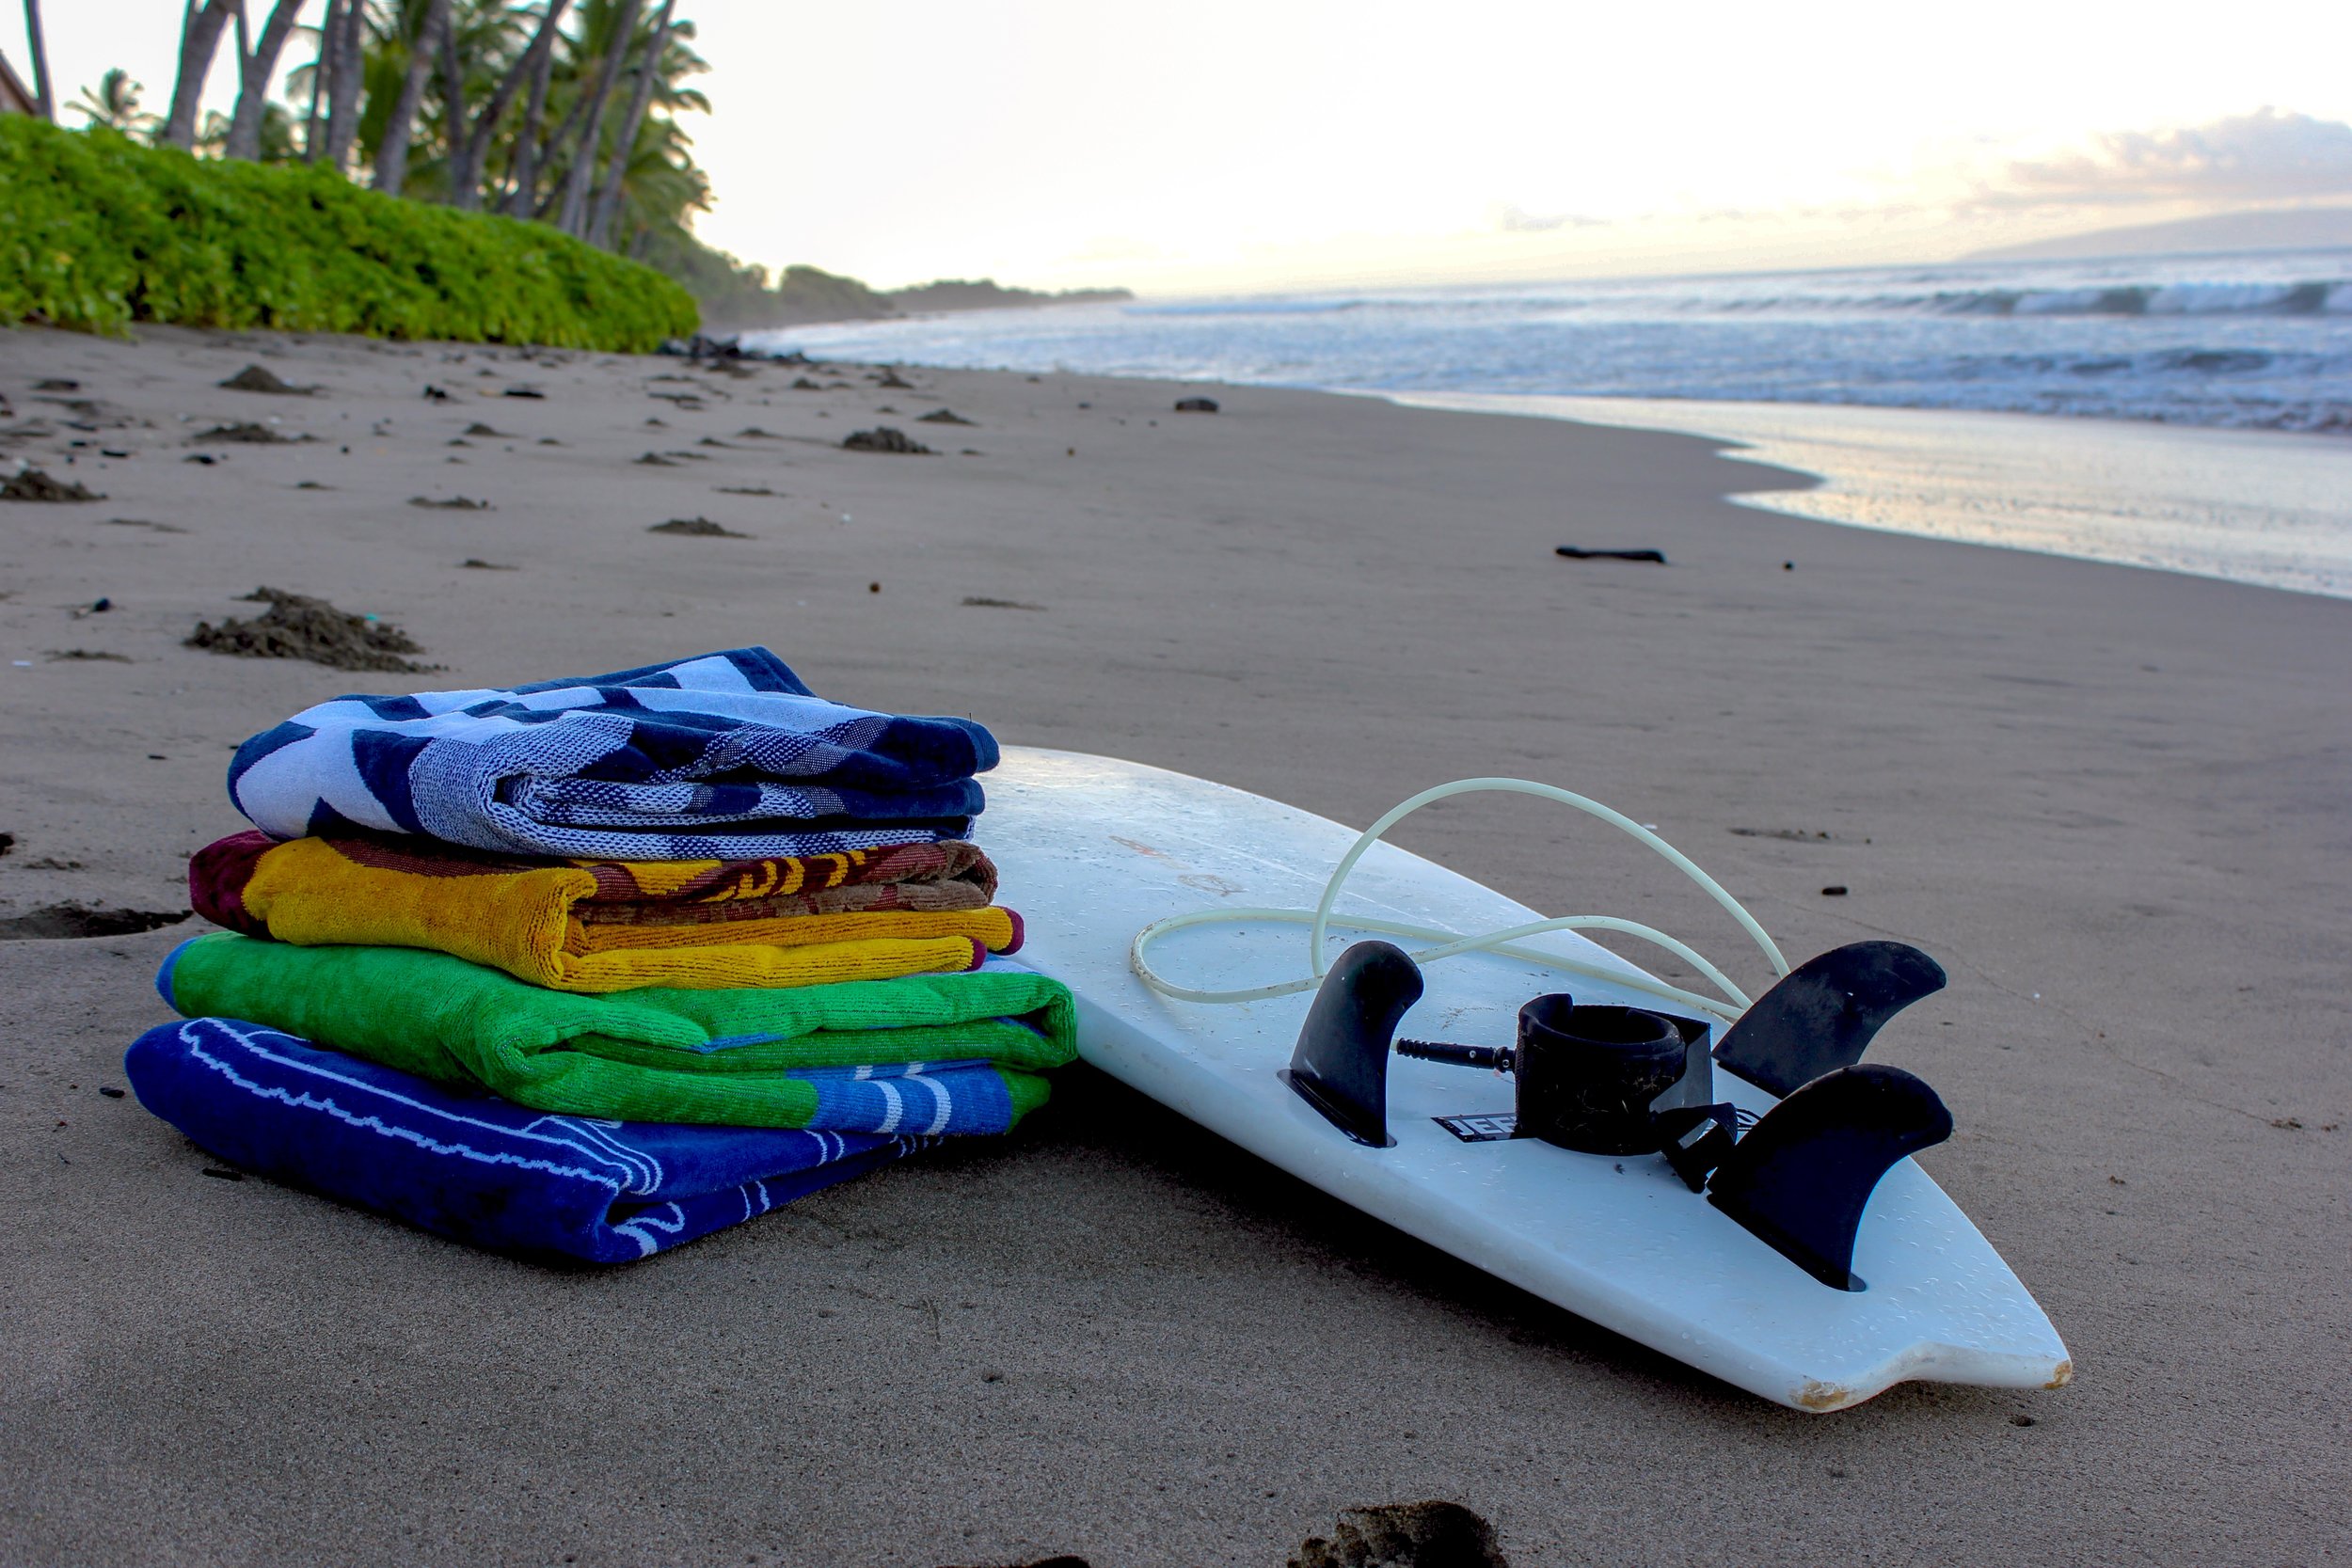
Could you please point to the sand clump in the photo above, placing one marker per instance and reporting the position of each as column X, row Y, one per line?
column 260, row 378
column 247, row 432
column 697, row 527
column 1429, row 1534
column 298, row 627
column 885, row 438
column 65, row 922
column 31, row 484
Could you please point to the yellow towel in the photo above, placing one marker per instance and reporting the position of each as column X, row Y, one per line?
column 526, row 918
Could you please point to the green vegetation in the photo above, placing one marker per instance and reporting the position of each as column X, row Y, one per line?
column 97, row 231
column 357, row 202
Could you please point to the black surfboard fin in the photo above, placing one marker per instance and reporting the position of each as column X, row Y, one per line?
column 1340, row 1066
column 1823, row 1014
column 1802, row 1177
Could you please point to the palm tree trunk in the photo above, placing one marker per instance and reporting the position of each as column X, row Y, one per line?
column 314, row 123
column 254, row 73
column 453, row 96
column 608, row 202
column 42, row 97
column 346, row 77
column 467, row 157
column 392, row 157
column 574, row 218
column 562, row 134
column 199, row 39
column 522, row 167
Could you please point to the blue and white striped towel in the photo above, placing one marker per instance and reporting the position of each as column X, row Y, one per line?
column 475, row 1168
column 727, row 756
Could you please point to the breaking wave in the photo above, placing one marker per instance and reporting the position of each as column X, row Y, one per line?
column 2251, row 342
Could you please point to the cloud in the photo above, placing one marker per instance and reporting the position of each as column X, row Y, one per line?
column 2266, row 156
column 1513, row 220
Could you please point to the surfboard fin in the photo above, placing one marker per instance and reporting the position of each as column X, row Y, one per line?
column 1823, row 1014
column 1801, row 1179
column 1340, row 1066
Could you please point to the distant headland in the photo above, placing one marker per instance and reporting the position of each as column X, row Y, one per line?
column 745, row 301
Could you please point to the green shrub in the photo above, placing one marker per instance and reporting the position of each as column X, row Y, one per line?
column 97, row 231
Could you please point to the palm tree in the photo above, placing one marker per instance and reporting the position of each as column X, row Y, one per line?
column 41, row 96
column 115, row 105
column 255, row 67
column 392, row 149
column 201, row 28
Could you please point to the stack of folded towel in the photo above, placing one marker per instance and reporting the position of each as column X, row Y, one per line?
column 593, row 967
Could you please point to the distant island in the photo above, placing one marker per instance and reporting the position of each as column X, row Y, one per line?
column 740, row 299
column 2259, row 229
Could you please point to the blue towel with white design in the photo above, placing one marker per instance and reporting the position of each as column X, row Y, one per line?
column 727, row 756
column 474, row 1167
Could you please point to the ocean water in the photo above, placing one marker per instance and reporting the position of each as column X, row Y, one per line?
column 2187, row 413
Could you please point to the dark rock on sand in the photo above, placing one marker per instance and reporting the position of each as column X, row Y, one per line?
column 433, row 394
column 1575, row 553
column 802, row 384
column 34, row 485
column 701, row 347
column 84, row 656
column 1405, row 1535
column 697, row 527
column 454, row 503
column 524, row 392
column 981, row 601
column 885, row 438
column 259, row 378
column 477, row 563
column 478, row 428
column 57, row 383
column 59, row 922
column 943, row 416
column 1196, row 405
column 247, row 432
column 298, row 627
column 892, row 379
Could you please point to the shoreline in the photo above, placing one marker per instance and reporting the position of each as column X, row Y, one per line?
column 1987, row 478
column 2108, row 802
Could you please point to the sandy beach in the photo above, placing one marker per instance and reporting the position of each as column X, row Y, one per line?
column 2110, row 801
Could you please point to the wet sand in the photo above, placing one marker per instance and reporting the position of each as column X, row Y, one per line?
column 2110, row 801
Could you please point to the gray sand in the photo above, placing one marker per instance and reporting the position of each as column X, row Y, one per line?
column 2111, row 801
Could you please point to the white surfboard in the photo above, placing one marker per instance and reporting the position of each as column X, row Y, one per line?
column 1092, row 850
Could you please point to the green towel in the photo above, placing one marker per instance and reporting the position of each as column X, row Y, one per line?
column 741, row 1058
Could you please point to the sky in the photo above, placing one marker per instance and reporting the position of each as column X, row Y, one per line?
column 1213, row 146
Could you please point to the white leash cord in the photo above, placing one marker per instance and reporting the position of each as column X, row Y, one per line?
column 1504, row 942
